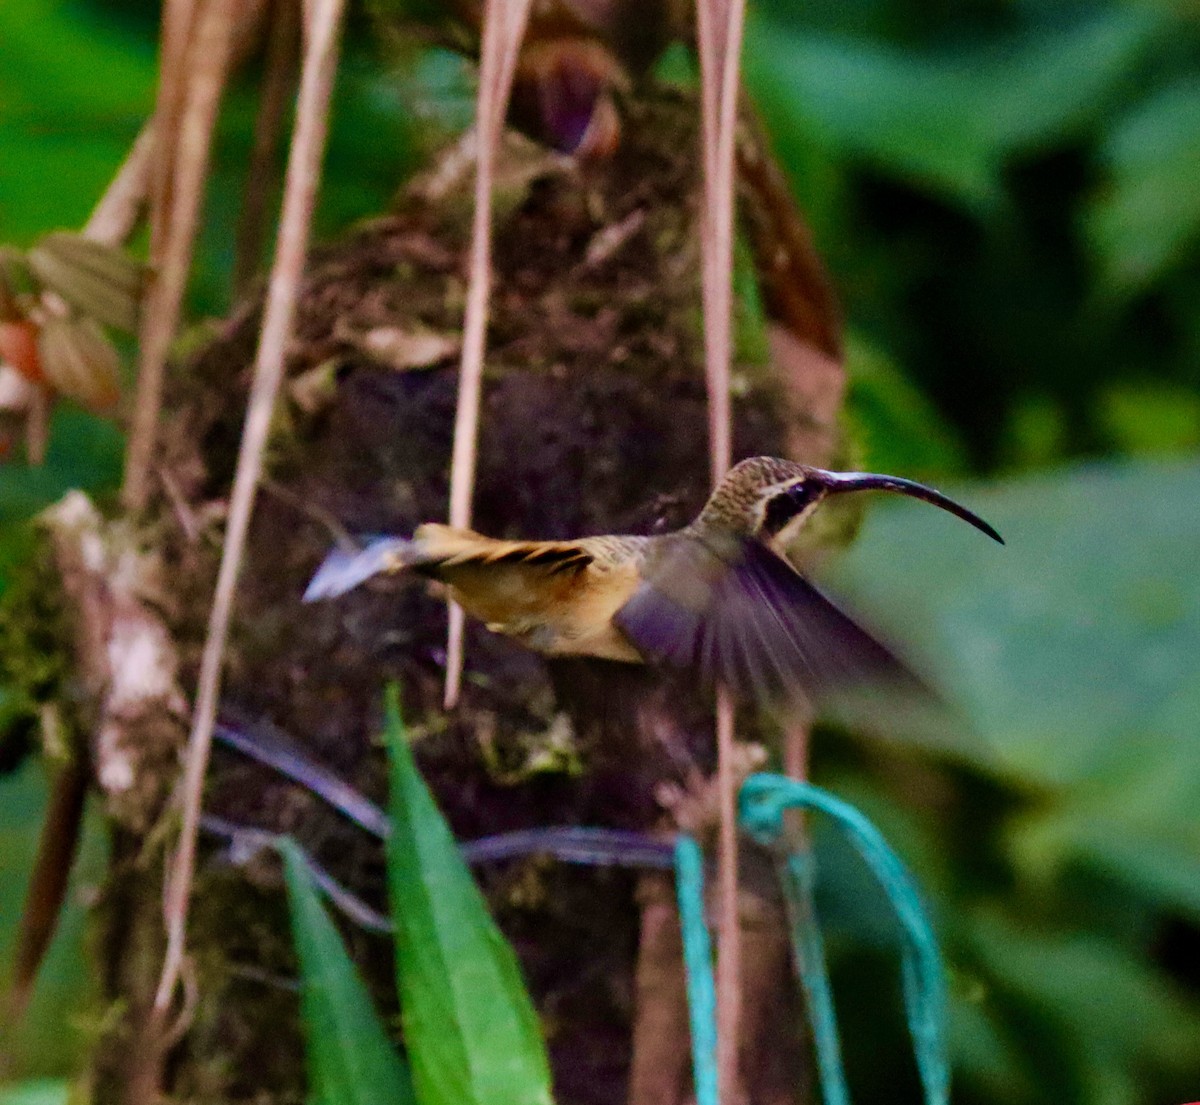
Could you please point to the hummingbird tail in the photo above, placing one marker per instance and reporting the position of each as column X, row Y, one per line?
column 343, row 570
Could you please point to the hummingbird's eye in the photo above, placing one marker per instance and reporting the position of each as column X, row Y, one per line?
column 782, row 508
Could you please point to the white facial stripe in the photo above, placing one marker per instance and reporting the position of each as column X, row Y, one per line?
column 766, row 495
column 786, row 535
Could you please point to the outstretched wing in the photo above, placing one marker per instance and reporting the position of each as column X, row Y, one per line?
column 744, row 617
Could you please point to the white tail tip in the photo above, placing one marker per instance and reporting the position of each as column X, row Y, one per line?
column 342, row 571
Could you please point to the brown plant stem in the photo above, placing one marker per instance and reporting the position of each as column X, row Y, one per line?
column 178, row 22
column 797, row 291
column 262, row 174
column 503, row 28
column 324, row 20
column 795, row 749
column 57, row 847
column 119, row 210
column 175, row 210
column 729, row 938
column 719, row 27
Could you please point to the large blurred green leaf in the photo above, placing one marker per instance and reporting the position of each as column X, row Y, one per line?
column 1147, row 216
column 1073, row 650
column 1148, row 418
column 1110, row 1013
column 1052, row 1004
column 52, row 1037
column 950, row 120
column 472, row 1033
column 351, row 1061
column 74, row 91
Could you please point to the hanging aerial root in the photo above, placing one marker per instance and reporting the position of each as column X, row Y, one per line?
column 321, row 49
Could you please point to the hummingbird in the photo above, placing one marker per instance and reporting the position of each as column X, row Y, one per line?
column 717, row 597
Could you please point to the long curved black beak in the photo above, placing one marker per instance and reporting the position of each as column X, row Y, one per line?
column 836, row 482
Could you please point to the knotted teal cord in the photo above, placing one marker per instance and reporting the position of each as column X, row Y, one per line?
column 697, row 959
column 762, row 803
column 761, row 806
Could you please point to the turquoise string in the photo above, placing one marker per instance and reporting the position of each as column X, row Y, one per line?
column 762, row 803
column 697, row 959
column 798, row 875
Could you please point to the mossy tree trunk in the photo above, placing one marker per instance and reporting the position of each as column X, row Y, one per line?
column 594, row 421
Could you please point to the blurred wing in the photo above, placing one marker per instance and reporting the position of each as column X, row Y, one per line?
column 750, row 620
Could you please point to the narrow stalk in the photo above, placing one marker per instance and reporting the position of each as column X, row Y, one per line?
column 178, row 22
column 119, row 210
column 262, row 174
column 57, row 846
column 729, row 934
column 209, row 65
column 324, row 20
column 719, row 24
column 503, row 28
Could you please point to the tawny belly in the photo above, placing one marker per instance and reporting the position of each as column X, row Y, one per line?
column 554, row 615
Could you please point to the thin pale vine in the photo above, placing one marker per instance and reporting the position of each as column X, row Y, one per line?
column 719, row 27
column 324, row 21
column 263, row 171
column 175, row 207
column 119, row 211
column 503, row 29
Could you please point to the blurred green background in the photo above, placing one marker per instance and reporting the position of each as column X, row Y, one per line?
column 1008, row 195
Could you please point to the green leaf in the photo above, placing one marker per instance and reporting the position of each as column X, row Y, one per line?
column 1076, row 634
column 1136, row 1019
column 898, row 429
column 351, row 1061
column 1134, row 821
column 1147, row 216
column 51, row 1040
column 472, row 1033
column 85, row 452
column 1073, row 650
column 946, row 121
column 75, row 91
column 1150, row 417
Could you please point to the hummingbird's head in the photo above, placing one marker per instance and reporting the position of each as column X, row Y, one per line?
column 771, row 499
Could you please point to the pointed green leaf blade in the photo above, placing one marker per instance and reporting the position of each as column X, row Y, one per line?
column 1072, row 650
column 472, row 1033
column 351, row 1061
column 948, row 121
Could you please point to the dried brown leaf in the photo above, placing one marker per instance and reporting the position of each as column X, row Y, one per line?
column 312, row 391
column 402, row 349
column 80, row 362
column 16, row 283
column 97, row 280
